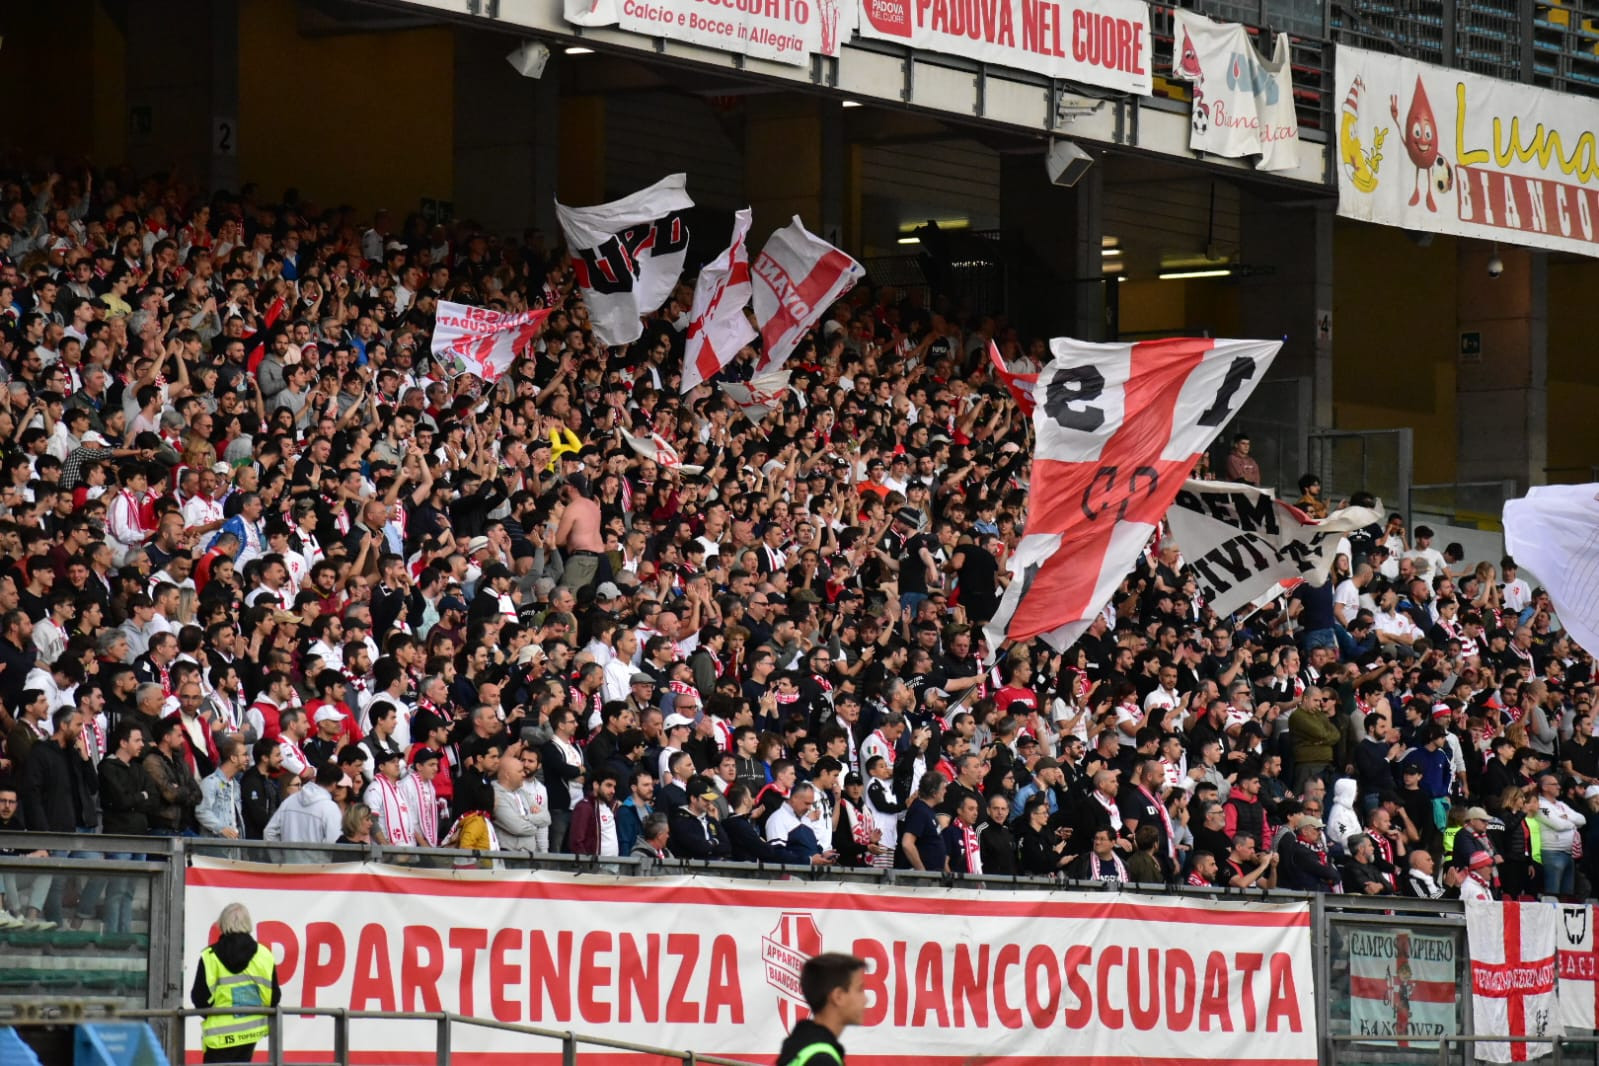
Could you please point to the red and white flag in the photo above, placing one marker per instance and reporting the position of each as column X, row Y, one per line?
column 475, row 340
column 628, row 254
column 718, row 327
column 758, row 396
column 1019, row 385
column 1513, row 984
column 1579, row 967
column 1118, row 428
column 796, row 277
column 659, row 450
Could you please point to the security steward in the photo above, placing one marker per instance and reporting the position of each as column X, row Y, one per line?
column 236, row 972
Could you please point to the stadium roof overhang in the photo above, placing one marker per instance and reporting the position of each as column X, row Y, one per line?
column 886, row 75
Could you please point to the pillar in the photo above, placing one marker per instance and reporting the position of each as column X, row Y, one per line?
column 785, row 173
column 174, row 52
column 504, row 170
column 1054, row 282
column 1501, row 381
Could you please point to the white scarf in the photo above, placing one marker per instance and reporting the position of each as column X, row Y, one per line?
column 1115, row 812
column 1096, row 868
column 396, row 812
column 427, row 808
column 970, row 845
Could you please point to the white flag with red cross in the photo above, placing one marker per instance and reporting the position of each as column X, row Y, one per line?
column 1118, row 429
column 1513, row 985
column 795, row 278
column 758, row 396
column 476, row 340
column 659, row 450
column 718, row 327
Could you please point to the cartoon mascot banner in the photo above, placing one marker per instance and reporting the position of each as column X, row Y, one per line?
column 1440, row 151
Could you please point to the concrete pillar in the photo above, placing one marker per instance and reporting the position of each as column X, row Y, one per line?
column 784, row 170
column 502, row 178
column 1501, row 380
column 1051, row 235
column 174, row 49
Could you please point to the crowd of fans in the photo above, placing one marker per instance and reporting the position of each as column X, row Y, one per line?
column 265, row 576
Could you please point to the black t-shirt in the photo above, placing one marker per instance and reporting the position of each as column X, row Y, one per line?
column 920, row 823
column 979, row 583
column 912, row 571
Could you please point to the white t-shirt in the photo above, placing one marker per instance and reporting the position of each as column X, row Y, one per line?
column 1347, row 596
column 780, row 823
column 1517, row 595
column 608, row 841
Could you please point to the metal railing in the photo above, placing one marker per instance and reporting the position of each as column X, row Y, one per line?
column 444, row 1024
column 1378, row 461
column 1423, row 1049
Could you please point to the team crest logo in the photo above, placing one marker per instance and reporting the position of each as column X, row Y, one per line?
column 1576, row 921
column 783, row 953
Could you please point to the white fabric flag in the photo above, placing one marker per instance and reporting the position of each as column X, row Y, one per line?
column 797, row 276
column 718, row 326
column 628, row 254
column 1118, row 429
column 1243, row 105
column 1513, row 986
column 1242, row 543
column 758, row 396
column 657, row 448
column 476, row 340
column 1553, row 532
column 1579, row 967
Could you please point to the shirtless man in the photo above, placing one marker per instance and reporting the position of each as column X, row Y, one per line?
column 578, row 536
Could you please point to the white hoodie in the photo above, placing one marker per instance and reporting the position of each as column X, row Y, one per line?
column 310, row 816
column 1342, row 821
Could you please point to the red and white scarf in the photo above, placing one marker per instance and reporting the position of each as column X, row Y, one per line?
column 1097, row 869
column 396, row 812
column 1165, row 821
column 971, row 848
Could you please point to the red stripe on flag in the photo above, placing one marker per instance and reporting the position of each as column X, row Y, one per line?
column 1420, row 991
column 833, row 265
column 1084, row 501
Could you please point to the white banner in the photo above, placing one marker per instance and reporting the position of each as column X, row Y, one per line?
column 1579, row 968
column 1095, row 42
column 1553, row 532
column 718, row 326
column 476, row 340
column 660, row 451
column 788, row 31
column 1243, row 105
column 758, row 396
column 1241, row 541
column 796, row 277
column 628, row 254
column 1442, row 151
column 954, row 977
column 1402, row 985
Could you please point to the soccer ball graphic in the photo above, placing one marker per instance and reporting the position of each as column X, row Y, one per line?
column 1201, row 120
column 1442, row 176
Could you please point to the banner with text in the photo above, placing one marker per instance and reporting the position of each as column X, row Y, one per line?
column 953, row 976
column 787, row 31
column 1441, row 151
column 1402, row 985
column 1241, row 541
column 1096, row 42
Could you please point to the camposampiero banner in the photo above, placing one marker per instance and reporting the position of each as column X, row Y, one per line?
column 1441, row 151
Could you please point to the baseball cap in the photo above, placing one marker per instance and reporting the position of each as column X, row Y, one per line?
column 477, row 544
column 909, row 515
column 328, row 714
column 452, row 603
column 383, row 755
column 1476, row 812
column 1312, row 823
column 674, row 720
column 700, row 785
column 607, row 591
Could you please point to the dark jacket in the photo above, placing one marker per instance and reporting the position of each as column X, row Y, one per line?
column 127, row 797
column 998, row 848
column 746, row 841
column 179, row 792
column 558, row 775
column 583, row 838
column 1303, row 869
column 689, row 841
column 259, row 796
column 805, row 1034
column 58, row 789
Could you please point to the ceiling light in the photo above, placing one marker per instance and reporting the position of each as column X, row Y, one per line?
column 579, row 50
column 912, row 239
column 1110, row 251
column 1184, row 275
column 1108, row 241
column 851, row 103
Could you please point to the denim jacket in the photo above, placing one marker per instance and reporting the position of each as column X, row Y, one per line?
column 220, row 805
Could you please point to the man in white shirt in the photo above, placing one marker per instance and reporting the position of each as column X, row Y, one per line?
column 1517, row 594
column 1392, row 625
column 792, row 814
column 619, row 669
column 1165, row 696
column 1429, row 561
column 202, row 512
column 1346, row 597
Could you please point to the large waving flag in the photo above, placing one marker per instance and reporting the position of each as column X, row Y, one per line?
column 1118, row 428
column 795, row 278
column 759, row 396
column 476, row 340
column 718, row 327
column 628, row 254
column 1553, row 532
column 657, row 448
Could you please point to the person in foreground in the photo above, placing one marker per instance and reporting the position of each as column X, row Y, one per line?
column 235, row 972
column 832, row 986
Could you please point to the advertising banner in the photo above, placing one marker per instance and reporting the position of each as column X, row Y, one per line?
column 953, row 976
column 787, row 31
column 1442, row 151
column 1402, row 985
column 1096, row 42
